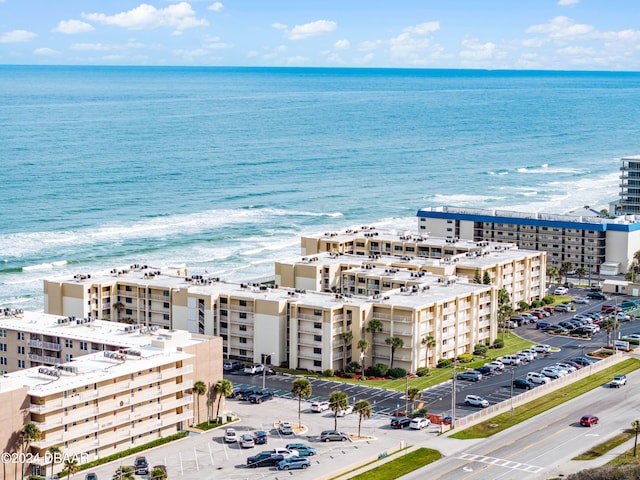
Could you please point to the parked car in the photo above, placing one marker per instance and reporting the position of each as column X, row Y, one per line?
column 469, row 375
column 618, row 381
column 634, row 337
column 561, row 291
column 346, row 411
column 496, row 364
column 243, row 393
column 528, row 318
column 141, row 466
column 565, row 366
column 486, row 370
column 563, row 307
column 622, row 317
column 552, row 372
column 333, row 436
column 400, row 422
column 302, row 449
column 542, row 311
column 524, row 358
column 247, row 441
column 531, row 356
column 253, row 369
column 476, row 401
column 91, row 476
column 260, row 437
column 266, row 459
column 580, row 300
column 549, row 309
column 319, row 406
column 539, row 378
column 539, row 314
column 540, row 325
column 596, row 295
column 293, row 463
column 588, row 420
column 419, row 423
column 510, row 360
column 542, row 348
column 285, row 428
column 230, row 436
column 232, row 365
column 523, row 383
column 584, row 361
column 260, row 397
column 610, row 309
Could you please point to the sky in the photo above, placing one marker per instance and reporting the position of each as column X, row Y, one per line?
column 485, row 34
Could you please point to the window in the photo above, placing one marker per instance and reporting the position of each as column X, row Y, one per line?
column 20, row 350
column 317, row 338
column 243, row 303
column 410, row 249
column 20, row 335
column 3, row 347
column 128, row 300
column 223, row 325
column 243, row 315
column 361, row 280
column 3, row 333
column 317, row 363
column 243, row 340
column 68, row 343
column 243, row 328
column 223, row 300
column 243, row 353
column 20, row 363
column 397, row 248
column 317, row 313
column 84, row 346
column 3, row 360
column 317, row 324
column 166, row 293
column 166, row 304
column 67, row 357
column 165, row 317
column 317, row 350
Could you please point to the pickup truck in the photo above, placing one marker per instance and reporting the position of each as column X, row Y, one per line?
column 618, row 381
column 260, row 397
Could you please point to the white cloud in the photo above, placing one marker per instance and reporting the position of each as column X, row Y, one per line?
column 473, row 50
column 370, row 45
column 341, row 44
column 297, row 60
column 198, row 52
column 312, row 29
column 17, row 36
column 216, row 6
column 180, row 16
column 367, row 59
column 568, row 3
column 563, row 28
column 72, row 27
column 253, row 53
column 46, row 52
column 423, row 28
column 412, row 44
column 576, row 51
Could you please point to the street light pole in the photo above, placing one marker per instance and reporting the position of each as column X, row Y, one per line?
column 513, row 377
column 453, row 395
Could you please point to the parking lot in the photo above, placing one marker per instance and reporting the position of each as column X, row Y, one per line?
column 206, row 455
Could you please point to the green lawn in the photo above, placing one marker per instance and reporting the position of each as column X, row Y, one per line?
column 404, row 464
column 540, row 405
column 512, row 344
column 604, row 447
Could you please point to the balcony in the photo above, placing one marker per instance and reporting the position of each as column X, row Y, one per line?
column 172, row 404
column 80, row 430
column 50, row 360
column 306, row 316
column 34, row 357
column 34, row 343
column 241, row 308
column 139, row 396
column 146, row 410
column 306, row 328
column 49, row 406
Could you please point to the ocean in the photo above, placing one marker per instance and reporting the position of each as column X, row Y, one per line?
column 223, row 169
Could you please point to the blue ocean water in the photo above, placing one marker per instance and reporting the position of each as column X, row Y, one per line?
column 222, row 169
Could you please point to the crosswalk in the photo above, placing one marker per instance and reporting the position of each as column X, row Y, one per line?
column 501, row 462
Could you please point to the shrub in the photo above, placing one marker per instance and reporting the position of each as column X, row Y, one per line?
column 379, row 370
column 397, row 372
column 350, row 374
column 497, row 343
column 422, row 372
column 444, row 363
column 537, row 304
column 548, row 300
column 328, row 372
column 523, row 305
column 465, row 358
column 479, row 349
column 352, row 367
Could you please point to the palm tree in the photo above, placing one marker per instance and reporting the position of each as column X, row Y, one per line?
column 394, row 343
column 337, row 401
column 413, row 394
column 123, row 473
column 610, row 325
column 363, row 409
column 374, row 327
column 301, row 388
column 504, row 308
column 158, row 474
column 636, row 427
column 565, row 268
column 363, row 346
column 552, row 273
column 55, row 455
column 581, row 272
column 199, row 388
column 346, row 337
column 428, row 342
column 223, row 388
column 29, row 433
column 71, row 466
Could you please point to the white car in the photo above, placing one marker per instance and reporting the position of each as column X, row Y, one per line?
column 230, row 436
column 496, row 364
column 553, row 372
column 632, row 336
column 622, row 317
column 319, row 406
column 527, row 353
column 593, row 327
column 347, row 411
column 566, row 367
column 476, row 401
column 539, row 378
column 510, row 360
column 419, row 423
column 542, row 348
column 581, row 300
column 560, row 291
column 253, row 369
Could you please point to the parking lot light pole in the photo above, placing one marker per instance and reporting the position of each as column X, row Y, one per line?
column 453, row 395
column 513, row 377
column 264, row 367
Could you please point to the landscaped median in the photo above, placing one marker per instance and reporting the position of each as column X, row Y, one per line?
column 523, row 412
column 395, row 465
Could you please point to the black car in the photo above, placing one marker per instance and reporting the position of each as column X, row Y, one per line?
column 260, row 397
column 584, row 361
column 400, row 422
column 523, row 383
column 597, row 295
column 260, row 437
column 243, row 393
column 540, row 325
column 264, row 459
column 486, row 370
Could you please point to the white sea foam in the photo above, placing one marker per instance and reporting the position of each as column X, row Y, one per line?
column 544, row 168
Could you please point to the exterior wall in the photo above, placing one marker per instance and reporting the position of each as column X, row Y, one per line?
column 621, row 247
column 14, row 414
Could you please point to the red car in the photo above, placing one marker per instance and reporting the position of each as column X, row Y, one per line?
column 588, row 420
column 548, row 309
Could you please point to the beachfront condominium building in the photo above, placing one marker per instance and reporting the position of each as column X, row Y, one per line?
column 135, row 388
column 298, row 327
column 522, row 273
column 596, row 244
column 629, row 202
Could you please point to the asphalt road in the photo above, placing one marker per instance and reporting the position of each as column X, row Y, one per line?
column 539, row 447
column 438, row 399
